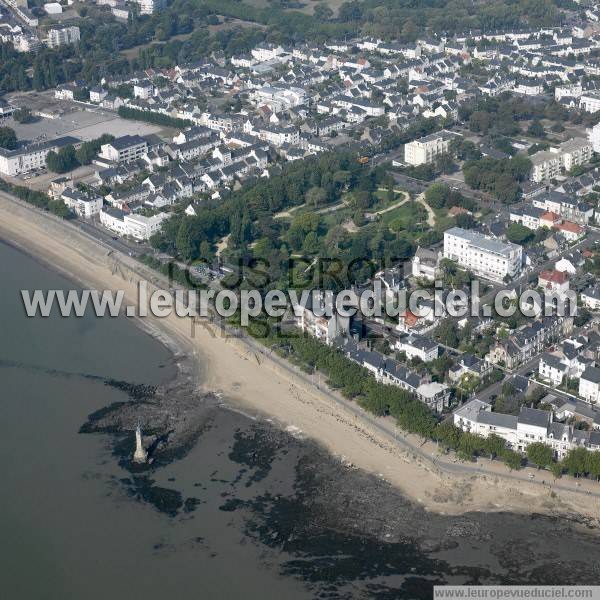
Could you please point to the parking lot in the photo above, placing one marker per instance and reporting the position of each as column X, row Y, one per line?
column 70, row 118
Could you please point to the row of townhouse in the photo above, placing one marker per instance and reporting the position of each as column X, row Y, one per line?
column 565, row 206
column 389, row 371
column 535, row 218
column 334, row 329
column 530, row 426
column 528, row 341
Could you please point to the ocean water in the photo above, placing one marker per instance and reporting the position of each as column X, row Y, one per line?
column 266, row 515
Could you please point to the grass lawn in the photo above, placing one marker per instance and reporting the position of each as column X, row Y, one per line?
column 405, row 216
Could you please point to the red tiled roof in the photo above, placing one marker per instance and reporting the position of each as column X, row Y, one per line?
column 554, row 276
column 409, row 318
column 549, row 216
column 571, row 227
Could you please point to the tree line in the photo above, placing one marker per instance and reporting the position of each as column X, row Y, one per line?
column 37, row 199
column 67, row 158
column 135, row 114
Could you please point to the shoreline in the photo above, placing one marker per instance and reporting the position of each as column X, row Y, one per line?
column 264, row 387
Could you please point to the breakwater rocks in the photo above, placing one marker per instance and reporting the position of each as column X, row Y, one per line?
column 172, row 418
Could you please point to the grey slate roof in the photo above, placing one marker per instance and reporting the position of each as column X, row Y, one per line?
column 533, row 416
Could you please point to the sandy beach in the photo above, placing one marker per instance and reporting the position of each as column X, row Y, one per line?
column 260, row 385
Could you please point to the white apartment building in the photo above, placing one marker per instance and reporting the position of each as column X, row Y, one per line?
column 280, row 98
column 552, row 369
column 484, row 256
column 264, row 52
column 148, row 7
column 427, row 149
column 25, row 160
column 418, row 346
column 549, row 164
column 136, row 226
column 278, row 136
column 593, row 135
column 589, row 385
column 143, row 89
column 62, row 36
column 590, row 101
column 590, row 298
column 546, row 165
column 84, row 205
column 575, row 152
column 124, row 149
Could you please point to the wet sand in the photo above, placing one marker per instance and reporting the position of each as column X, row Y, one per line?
column 258, row 385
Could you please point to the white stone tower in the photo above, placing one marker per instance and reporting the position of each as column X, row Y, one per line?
column 140, row 455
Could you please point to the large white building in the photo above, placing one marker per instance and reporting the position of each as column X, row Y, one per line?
column 530, row 426
column 594, row 137
column 148, row 7
column 590, row 101
column 29, row 158
column 546, row 165
column 279, row 97
column 84, row 205
column 136, row 226
column 427, row 149
column 483, row 255
column 62, row 36
column 124, row 149
column 575, row 152
column 549, row 164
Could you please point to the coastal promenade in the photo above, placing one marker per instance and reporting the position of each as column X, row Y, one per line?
column 250, row 376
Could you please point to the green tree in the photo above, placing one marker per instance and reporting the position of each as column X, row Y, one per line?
column 186, row 242
column 593, row 464
column 539, row 454
column 448, row 435
column 23, row 115
column 8, row 138
column 62, row 161
column 518, row 234
column 316, row 196
column 575, row 461
column 536, row 129
column 494, row 445
column 512, row 459
column 557, row 469
column 437, row 194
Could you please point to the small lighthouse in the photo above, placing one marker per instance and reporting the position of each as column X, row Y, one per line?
column 140, row 455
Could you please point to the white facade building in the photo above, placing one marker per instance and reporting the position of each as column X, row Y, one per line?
column 589, row 385
column 148, row 7
column 84, row 205
column 25, row 160
column 136, row 226
column 546, row 165
column 590, row 101
column 418, row 346
column 483, row 255
column 552, row 369
column 62, row 36
column 124, row 149
column 594, row 137
column 530, row 426
column 549, row 164
column 427, row 149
